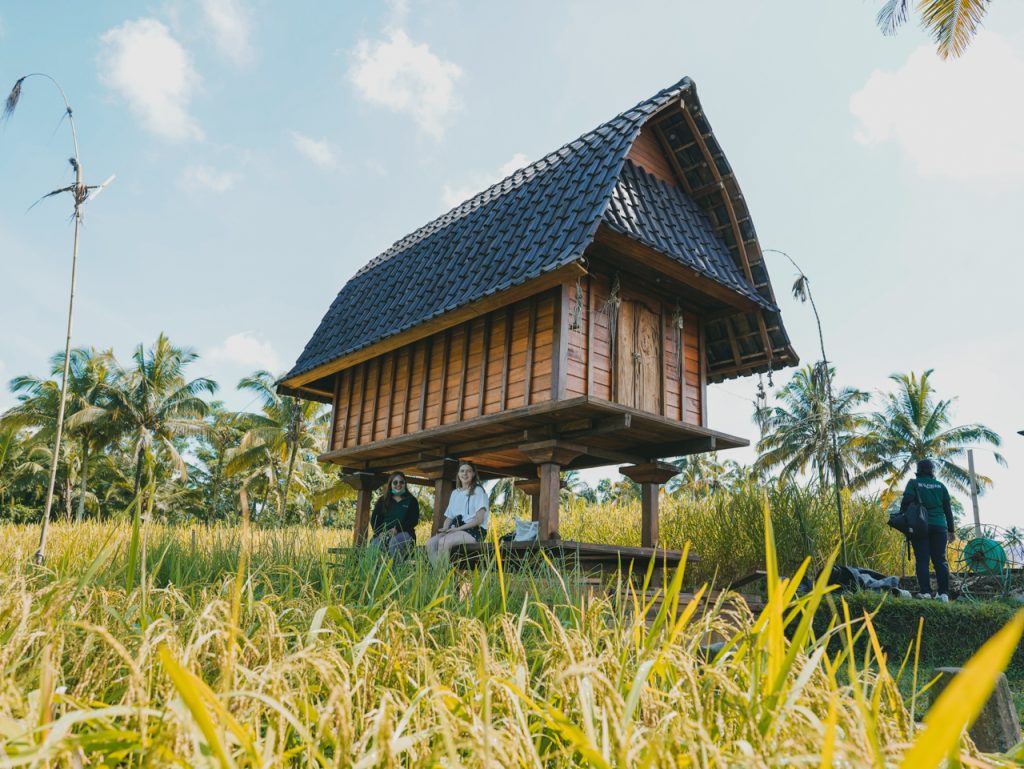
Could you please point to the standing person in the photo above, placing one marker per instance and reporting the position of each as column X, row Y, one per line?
column 467, row 515
column 935, row 499
column 394, row 517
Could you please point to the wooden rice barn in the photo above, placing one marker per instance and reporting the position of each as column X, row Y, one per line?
column 569, row 316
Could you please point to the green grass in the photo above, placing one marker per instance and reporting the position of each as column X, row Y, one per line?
column 249, row 649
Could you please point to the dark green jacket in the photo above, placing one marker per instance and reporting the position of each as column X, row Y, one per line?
column 935, row 498
column 402, row 514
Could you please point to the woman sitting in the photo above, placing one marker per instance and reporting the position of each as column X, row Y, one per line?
column 394, row 518
column 467, row 515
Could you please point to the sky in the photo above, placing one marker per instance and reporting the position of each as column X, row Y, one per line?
column 265, row 151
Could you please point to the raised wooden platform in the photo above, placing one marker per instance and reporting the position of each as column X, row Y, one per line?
column 606, row 433
column 588, row 556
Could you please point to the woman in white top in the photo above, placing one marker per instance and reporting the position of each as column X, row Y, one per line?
column 467, row 515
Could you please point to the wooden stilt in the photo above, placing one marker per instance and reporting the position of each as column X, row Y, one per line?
column 532, row 489
column 442, row 472
column 650, row 476
column 364, row 484
column 548, row 498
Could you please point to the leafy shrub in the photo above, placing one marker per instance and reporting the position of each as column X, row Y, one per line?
column 952, row 632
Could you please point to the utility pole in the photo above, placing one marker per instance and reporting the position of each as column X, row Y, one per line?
column 974, row 492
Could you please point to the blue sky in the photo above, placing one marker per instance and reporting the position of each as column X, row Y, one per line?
column 265, row 151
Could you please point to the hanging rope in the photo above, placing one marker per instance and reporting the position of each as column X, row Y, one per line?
column 577, row 308
column 611, row 307
column 678, row 323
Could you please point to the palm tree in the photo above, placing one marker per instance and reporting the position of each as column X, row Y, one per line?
column 87, row 423
column 155, row 407
column 912, row 425
column 798, row 435
column 21, row 459
column 951, row 23
column 703, row 474
column 287, row 433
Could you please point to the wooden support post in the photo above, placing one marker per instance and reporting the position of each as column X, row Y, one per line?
column 551, row 456
column 442, row 473
column 650, row 476
column 532, row 489
column 364, row 484
column 548, row 499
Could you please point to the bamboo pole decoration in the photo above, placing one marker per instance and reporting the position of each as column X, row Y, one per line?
column 81, row 193
column 802, row 291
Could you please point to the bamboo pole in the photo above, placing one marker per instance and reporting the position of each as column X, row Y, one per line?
column 80, row 194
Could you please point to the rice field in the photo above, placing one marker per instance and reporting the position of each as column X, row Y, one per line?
column 233, row 647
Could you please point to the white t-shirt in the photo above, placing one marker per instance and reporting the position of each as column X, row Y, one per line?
column 466, row 505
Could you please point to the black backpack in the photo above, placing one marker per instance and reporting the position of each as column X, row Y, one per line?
column 912, row 522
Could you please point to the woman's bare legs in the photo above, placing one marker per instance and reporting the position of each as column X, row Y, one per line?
column 441, row 544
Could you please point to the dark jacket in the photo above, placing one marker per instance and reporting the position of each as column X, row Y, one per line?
column 402, row 514
column 934, row 497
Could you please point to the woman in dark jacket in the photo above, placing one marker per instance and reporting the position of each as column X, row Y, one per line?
column 931, row 544
column 394, row 517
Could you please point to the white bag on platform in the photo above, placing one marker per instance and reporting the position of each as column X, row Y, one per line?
column 526, row 531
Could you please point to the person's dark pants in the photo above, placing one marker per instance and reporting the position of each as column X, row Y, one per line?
column 399, row 546
column 932, row 547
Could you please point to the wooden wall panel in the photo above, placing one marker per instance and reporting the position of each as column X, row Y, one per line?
column 495, row 362
column 579, row 338
column 600, row 356
column 647, row 153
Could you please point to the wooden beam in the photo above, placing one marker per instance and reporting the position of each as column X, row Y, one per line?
column 379, row 364
column 408, row 388
column 391, row 394
column 531, row 330
column 702, row 366
column 649, row 514
column 548, row 500
column 364, row 484
column 651, row 472
column 442, row 472
column 362, row 406
column 335, row 404
column 590, row 335
column 741, row 249
column 460, row 403
column 552, row 451
column 425, row 388
column 350, row 374
column 507, row 355
column 483, row 364
column 446, row 346
column 659, row 262
column 560, row 343
column 446, row 320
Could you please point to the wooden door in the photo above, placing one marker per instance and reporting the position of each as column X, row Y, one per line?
column 638, row 357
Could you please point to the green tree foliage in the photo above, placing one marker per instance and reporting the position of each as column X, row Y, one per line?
column 796, row 437
column 951, row 23
column 88, row 427
column 911, row 425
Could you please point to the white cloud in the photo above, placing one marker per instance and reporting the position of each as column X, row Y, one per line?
column 406, row 77
column 958, row 118
column 318, row 151
column 245, row 349
column 151, row 70
column 231, row 27
column 451, row 196
column 207, row 177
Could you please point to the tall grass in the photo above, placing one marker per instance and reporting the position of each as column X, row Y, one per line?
column 280, row 659
column 727, row 529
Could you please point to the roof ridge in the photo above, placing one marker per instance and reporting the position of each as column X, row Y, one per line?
column 638, row 112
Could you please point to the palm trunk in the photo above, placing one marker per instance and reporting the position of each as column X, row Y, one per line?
column 85, row 474
column 217, row 478
column 288, row 479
